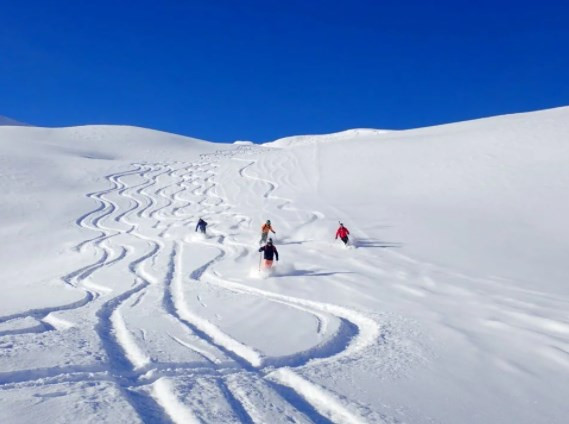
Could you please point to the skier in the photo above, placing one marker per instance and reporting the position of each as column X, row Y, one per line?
column 265, row 231
column 270, row 251
column 201, row 225
column 343, row 234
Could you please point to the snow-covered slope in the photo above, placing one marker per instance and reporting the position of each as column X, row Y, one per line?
column 486, row 196
column 46, row 176
column 450, row 305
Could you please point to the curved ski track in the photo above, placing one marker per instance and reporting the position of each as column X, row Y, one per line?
column 139, row 219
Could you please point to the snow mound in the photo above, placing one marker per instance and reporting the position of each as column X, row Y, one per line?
column 348, row 135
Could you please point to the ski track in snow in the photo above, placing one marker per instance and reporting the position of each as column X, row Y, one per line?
column 144, row 223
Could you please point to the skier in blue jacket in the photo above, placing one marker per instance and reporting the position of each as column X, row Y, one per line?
column 201, row 225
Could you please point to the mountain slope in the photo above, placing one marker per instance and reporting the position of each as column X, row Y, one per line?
column 9, row 121
column 485, row 196
column 440, row 311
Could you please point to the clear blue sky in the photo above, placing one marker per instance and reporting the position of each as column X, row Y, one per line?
column 257, row 70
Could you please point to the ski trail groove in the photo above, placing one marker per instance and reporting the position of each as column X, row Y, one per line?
column 359, row 332
column 144, row 216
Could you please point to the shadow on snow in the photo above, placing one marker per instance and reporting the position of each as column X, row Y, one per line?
column 307, row 273
column 376, row 243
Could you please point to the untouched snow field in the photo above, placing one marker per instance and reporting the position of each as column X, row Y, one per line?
column 450, row 306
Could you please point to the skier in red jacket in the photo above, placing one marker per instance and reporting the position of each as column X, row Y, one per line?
column 343, row 233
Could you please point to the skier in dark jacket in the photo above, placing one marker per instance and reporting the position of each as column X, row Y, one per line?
column 201, row 225
column 343, row 234
column 270, row 251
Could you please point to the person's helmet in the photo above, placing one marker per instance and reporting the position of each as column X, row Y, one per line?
column 270, row 241
column 268, row 221
column 341, row 225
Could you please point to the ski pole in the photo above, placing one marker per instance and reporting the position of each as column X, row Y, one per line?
column 260, row 259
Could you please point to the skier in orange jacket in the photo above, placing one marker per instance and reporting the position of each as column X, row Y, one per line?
column 265, row 231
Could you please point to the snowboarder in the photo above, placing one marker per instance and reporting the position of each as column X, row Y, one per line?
column 343, row 234
column 265, row 231
column 201, row 225
column 270, row 251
